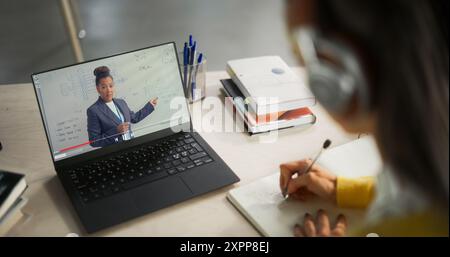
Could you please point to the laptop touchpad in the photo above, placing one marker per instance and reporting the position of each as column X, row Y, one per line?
column 161, row 193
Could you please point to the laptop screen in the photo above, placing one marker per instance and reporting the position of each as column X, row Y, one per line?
column 109, row 101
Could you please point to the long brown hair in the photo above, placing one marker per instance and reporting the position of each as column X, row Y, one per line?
column 408, row 43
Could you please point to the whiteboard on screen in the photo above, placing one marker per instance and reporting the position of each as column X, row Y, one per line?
column 138, row 77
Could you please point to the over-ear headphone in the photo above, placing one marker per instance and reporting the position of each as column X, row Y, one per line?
column 336, row 81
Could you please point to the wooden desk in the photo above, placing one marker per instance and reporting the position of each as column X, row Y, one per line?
column 50, row 213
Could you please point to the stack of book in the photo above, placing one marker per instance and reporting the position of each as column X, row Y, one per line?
column 267, row 94
column 12, row 186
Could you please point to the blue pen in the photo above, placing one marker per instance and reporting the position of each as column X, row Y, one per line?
column 200, row 58
column 199, row 61
column 188, row 61
column 185, row 64
column 191, row 61
column 193, row 53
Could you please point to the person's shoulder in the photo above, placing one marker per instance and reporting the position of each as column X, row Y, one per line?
column 120, row 100
column 93, row 107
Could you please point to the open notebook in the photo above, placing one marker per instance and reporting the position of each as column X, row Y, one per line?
column 263, row 205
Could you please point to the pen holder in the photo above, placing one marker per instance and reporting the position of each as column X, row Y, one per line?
column 194, row 80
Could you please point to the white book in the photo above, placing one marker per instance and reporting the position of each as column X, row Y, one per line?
column 252, row 126
column 267, row 78
column 273, row 125
column 12, row 216
column 12, row 186
column 262, row 203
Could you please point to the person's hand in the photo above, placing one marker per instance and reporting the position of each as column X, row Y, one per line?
column 123, row 127
column 321, row 226
column 317, row 182
column 154, row 101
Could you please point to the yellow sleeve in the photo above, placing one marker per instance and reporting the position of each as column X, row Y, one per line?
column 432, row 222
column 355, row 192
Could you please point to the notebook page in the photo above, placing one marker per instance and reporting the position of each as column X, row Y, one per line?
column 262, row 204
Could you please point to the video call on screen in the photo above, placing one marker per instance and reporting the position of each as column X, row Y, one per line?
column 66, row 94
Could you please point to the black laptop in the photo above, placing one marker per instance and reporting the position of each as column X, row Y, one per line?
column 121, row 138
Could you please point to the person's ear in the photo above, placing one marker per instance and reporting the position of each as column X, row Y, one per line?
column 353, row 122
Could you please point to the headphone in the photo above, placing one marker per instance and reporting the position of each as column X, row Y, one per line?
column 336, row 81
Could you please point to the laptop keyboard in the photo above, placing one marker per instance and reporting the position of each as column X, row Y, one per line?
column 139, row 166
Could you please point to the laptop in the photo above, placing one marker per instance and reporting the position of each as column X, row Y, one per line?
column 121, row 139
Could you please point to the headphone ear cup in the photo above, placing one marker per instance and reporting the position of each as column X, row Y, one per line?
column 332, row 88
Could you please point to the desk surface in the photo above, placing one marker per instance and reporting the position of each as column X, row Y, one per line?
column 50, row 213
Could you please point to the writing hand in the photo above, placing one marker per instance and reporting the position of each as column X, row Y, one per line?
column 317, row 182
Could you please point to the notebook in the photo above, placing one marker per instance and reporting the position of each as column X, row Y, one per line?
column 262, row 204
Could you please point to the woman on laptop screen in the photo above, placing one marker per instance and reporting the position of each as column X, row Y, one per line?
column 108, row 119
